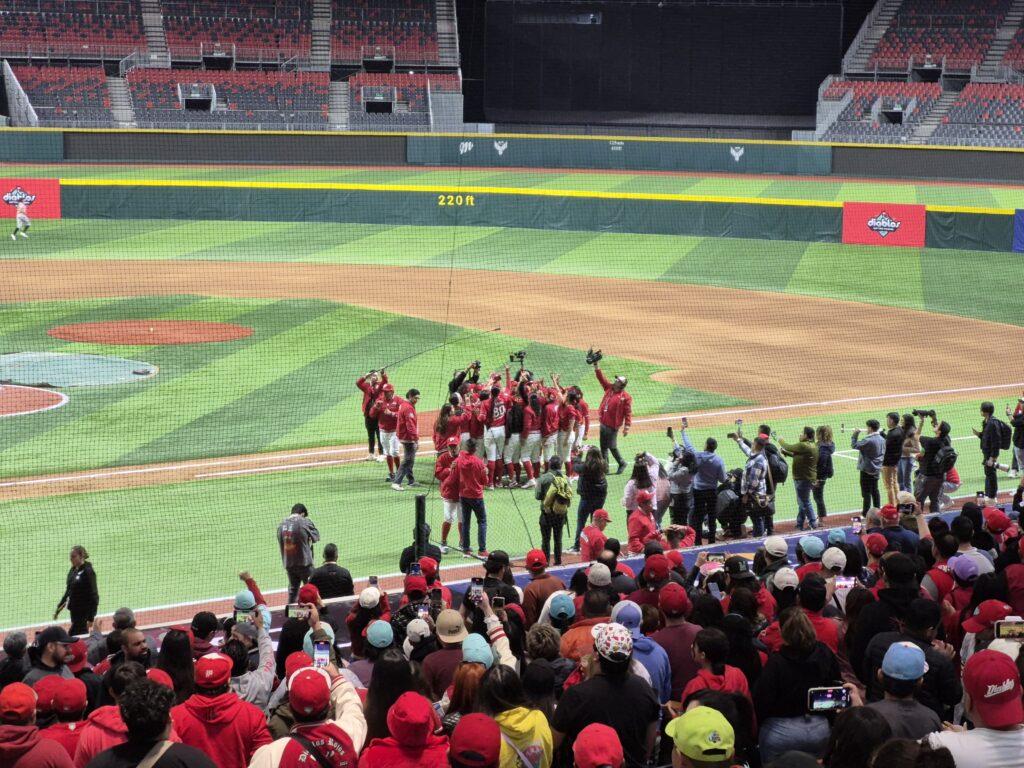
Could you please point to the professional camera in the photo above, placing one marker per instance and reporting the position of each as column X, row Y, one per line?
column 517, row 357
column 475, row 364
column 594, row 357
column 924, row 414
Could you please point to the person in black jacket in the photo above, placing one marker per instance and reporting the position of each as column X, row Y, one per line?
column 931, row 473
column 330, row 578
column 15, row 665
column 592, row 488
column 893, row 453
column 823, row 436
column 989, row 436
column 892, row 605
column 81, row 597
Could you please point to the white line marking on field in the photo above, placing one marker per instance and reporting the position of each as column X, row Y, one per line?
column 277, row 468
column 63, row 399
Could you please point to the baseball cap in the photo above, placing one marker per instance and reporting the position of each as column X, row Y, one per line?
column 244, row 601
column 415, row 585
column 307, row 641
column 380, row 634
column 905, row 497
column 889, row 513
column 387, row 388
column 837, row 536
column 987, row 614
column 71, row 696
column 411, row 720
column 996, row 520
column 599, row 575
column 428, row 566
column 964, row 568
column 812, row 546
column 601, row 514
column 497, row 557
column 675, row 558
column 450, row 626
column 776, row 546
column 993, row 683
column 475, row 648
column 738, row 567
column 46, row 688
column 296, row 661
column 309, row 691
column 628, row 614
column 308, row 593
column 245, row 629
column 656, row 568
column 786, row 578
column 876, row 544
column 562, row 606
column 834, row 558
column 53, row 635
column 612, row 641
column 17, row 703
column 904, row 661
column 597, row 745
column 417, row 630
column 642, row 496
column 673, row 600
column 702, row 733
column 77, row 657
column 213, row 670
column 539, row 678
column 453, row 442
column 369, row 597
column 476, row 741
column 812, row 590
column 1010, row 647
column 536, row 560
column 203, row 623
column 161, row 677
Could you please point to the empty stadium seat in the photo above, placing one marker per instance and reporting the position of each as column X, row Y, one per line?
column 856, row 122
column 61, row 28
column 61, row 95
column 985, row 113
column 406, row 27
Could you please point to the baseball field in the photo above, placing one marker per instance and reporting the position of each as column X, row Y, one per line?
column 175, row 482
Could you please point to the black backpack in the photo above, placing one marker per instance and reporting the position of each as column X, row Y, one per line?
column 1005, row 434
column 945, row 459
column 777, row 466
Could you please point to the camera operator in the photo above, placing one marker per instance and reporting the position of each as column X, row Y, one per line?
column 470, row 374
column 931, row 472
column 616, row 411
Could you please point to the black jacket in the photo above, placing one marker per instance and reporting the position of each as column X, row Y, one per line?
column 409, row 555
column 893, row 447
column 332, row 580
column 880, row 616
column 941, row 689
column 13, row 670
column 1018, row 430
column 593, row 491
column 80, row 594
column 781, row 689
column 990, row 439
column 931, row 446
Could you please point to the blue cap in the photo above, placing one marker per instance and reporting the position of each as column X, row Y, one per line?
column 812, row 546
column 380, row 634
column 475, row 648
column 628, row 614
column 904, row 661
column 307, row 641
column 837, row 536
column 244, row 601
column 562, row 607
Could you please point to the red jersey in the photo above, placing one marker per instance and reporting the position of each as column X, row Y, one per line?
column 566, row 416
column 616, row 408
column 386, row 413
column 496, row 409
column 370, row 391
column 474, row 420
column 549, row 422
column 592, row 541
column 442, row 469
column 65, row 734
column 584, row 411
column 468, row 476
column 408, row 423
column 531, row 421
column 733, row 681
column 826, row 630
column 804, row 570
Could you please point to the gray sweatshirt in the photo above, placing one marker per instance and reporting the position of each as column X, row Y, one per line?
column 254, row 687
column 872, row 448
column 296, row 535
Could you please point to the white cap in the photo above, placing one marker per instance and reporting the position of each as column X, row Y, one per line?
column 599, row 575
column 776, row 546
column 786, row 578
column 416, row 630
column 833, row 558
column 369, row 597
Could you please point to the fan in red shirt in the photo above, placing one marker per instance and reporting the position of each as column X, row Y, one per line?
column 384, row 411
column 710, row 650
column 811, row 595
column 468, row 474
column 371, row 385
column 409, row 437
column 592, row 537
column 616, row 412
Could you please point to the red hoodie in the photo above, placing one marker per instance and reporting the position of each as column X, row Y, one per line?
column 21, row 746
column 65, row 734
column 733, row 681
column 408, row 424
column 103, row 729
column 467, row 477
column 223, row 726
column 412, row 743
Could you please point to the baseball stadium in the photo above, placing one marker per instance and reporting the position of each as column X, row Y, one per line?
column 202, row 293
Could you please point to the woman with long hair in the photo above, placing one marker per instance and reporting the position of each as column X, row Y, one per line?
column 446, row 426
column 707, row 612
column 857, row 733
column 911, row 447
column 175, row 658
column 592, row 487
column 464, row 696
column 526, row 736
column 392, row 676
column 81, row 597
column 823, row 437
column 639, row 480
column 742, row 653
column 710, row 651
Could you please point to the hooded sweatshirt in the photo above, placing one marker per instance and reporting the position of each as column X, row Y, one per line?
column 255, row 687
column 222, row 725
column 655, row 661
column 102, row 730
column 412, row 742
column 21, row 746
column 732, row 681
column 65, row 734
column 529, row 732
column 781, row 688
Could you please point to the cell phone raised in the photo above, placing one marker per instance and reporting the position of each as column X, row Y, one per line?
column 436, row 595
column 497, row 602
column 372, row 581
column 243, row 617
column 829, row 699
column 1010, row 629
column 857, row 525
column 716, row 557
column 321, row 654
column 476, row 589
column 296, row 611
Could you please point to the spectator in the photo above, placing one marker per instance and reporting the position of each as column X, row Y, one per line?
column 902, row 673
column 21, row 745
column 593, row 538
column 680, row 485
column 707, row 612
column 742, row 653
column 857, row 733
column 281, row 718
column 134, row 647
column 419, row 641
column 330, row 578
column 677, row 637
column 47, row 655
column 204, row 627
column 938, row 582
column 992, row 701
column 251, row 599
column 963, row 529
column 645, row 650
column 931, row 469
column 592, row 488
column 812, row 594
column 701, row 738
column 551, row 522
column 739, row 575
column 899, row 538
column 542, row 584
column 579, row 640
column 623, row 582
column 542, row 645
column 255, row 686
column 805, row 475
column 526, row 735
column 295, row 536
column 412, row 743
column 597, row 746
column 78, row 665
column 809, row 551
column 904, row 753
column 539, row 687
column 15, row 664
column 869, row 464
column 498, row 578
column 105, row 728
column 613, row 696
column 69, row 704
column 709, row 473
column 892, row 604
column 175, row 658
column 989, row 438
column 475, row 743
column 145, row 708
column 776, row 556
column 823, row 437
column 371, row 606
column 657, row 574
column 425, row 548
column 908, row 454
column 710, row 650
column 392, row 676
column 380, row 636
column 81, row 597
column 780, row 696
column 439, row 667
column 215, row 721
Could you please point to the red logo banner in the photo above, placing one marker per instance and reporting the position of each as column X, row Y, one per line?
column 40, row 196
column 884, row 224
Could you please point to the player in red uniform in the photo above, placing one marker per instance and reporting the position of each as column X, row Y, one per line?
column 409, row 437
column 371, row 385
column 449, row 491
column 533, row 414
column 549, row 426
column 384, row 412
column 568, row 418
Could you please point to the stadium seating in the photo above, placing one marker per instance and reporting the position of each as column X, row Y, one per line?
column 856, row 122
column 406, row 27
column 63, row 29
column 409, row 91
column 296, row 99
column 257, row 31
column 63, row 95
column 985, row 114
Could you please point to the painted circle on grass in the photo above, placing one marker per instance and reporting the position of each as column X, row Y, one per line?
column 150, row 332
column 68, row 369
column 16, row 400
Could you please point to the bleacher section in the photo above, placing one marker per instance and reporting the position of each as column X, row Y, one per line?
column 53, row 27
column 988, row 114
column 408, row 93
column 243, row 99
column 860, row 120
column 63, row 96
column 406, row 29
column 257, row 31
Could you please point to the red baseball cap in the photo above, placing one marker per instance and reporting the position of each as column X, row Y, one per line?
column 996, row 520
column 673, row 600
column 453, row 442
column 309, row 691
column 159, row 676
column 415, row 584
column 988, row 613
column 428, row 566
column 992, row 681
column 597, row 745
column 71, row 696
column 296, row 661
column 656, row 568
column 17, row 703
column 536, row 560
column 476, row 741
column 46, row 689
column 308, row 593
column 388, row 388
column 600, row 514
column 675, row 557
column 213, row 670
column 77, row 656
column 876, row 544
column 643, row 496
column 889, row 512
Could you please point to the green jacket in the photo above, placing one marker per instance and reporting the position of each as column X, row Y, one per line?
column 805, row 459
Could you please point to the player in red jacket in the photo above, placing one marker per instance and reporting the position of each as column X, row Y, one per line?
column 565, row 444
column 409, row 436
column 615, row 413
column 449, row 494
column 384, row 411
column 371, row 385
column 549, row 426
column 468, row 474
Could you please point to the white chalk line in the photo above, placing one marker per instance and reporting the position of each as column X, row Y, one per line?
column 63, row 401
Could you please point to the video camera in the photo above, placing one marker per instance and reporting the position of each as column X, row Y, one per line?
column 924, row 414
column 594, row 357
column 517, row 357
column 475, row 364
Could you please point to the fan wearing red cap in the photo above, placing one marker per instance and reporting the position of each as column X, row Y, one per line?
column 68, row 704
column 642, row 525
column 542, row 586
column 592, row 537
column 412, row 743
column 21, row 743
column 992, row 701
column 677, row 636
column 597, row 746
column 475, row 743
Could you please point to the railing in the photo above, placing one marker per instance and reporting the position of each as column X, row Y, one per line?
column 210, row 125
column 18, row 103
column 143, row 60
column 945, row 64
column 869, row 22
column 41, row 49
column 946, row 21
column 244, row 53
column 260, row 9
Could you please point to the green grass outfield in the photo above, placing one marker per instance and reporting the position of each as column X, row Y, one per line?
column 179, row 543
column 753, row 186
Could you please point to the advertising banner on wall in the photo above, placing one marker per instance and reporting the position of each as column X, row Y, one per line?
column 41, row 198
column 884, row 224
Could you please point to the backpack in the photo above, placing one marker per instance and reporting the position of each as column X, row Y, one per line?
column 1005, row 434
column 945, row 459
column 559, row 496
column 777, row 466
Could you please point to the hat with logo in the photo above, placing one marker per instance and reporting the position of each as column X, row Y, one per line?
column 643, row 496
column 776, row 546
column 601, row 514
column 904, row 661
column 46, row 688
column 213, row 670
column 562, row 606
column 702, row 734
column 987, row 614
column 964, row 568
column 786, row 578
column 536, row 560
column 309, row 691
column 889, row 513
column 17, row 703
column 379, row 634
column 876, row 544
column 599, row 575
column 369, row 597
column 612, row 641
column 675, row 557
column 597, row 745
column 453, row 442
column 71, row 696
column 628, row 614
column 834, row 559
column 450, row 626
column 996, row 520
column 656, row 569
column 475, row 648
column 738, row 568
column 77, row 656
column 428, row 567
column 476, row 741
column 812, row 546
column 992, row 681
column 53, row 635
column 673, row 601
column 308, row 593
column 837, row 536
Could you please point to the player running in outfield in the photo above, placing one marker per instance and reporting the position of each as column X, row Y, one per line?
column 21, row 222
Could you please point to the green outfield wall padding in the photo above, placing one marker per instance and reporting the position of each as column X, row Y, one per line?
column 772, row 222
column 969, row 231
column 635, row 155
column 22, row 146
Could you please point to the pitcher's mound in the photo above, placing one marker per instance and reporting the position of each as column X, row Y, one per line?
column 150, row 332
column 16, row 400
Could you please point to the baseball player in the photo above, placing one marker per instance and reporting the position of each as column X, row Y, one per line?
column 533, row 413
column 21, row 221
column 385, row 411
column 449, row 491
column 494, row 411
column 568, row 418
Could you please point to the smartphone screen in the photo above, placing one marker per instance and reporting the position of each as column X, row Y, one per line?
column 714, row 591
column 436, row 595
column 476, row 589
column 415, row 570
column 845, row 582
column 828, row 699
column 321, row 654
column 296, row 611
column 498, row 602
column 1010, row 629
column 423, row 612
column 858, row 525
column 243, row 617
column 716, row 557
column 372, row 581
